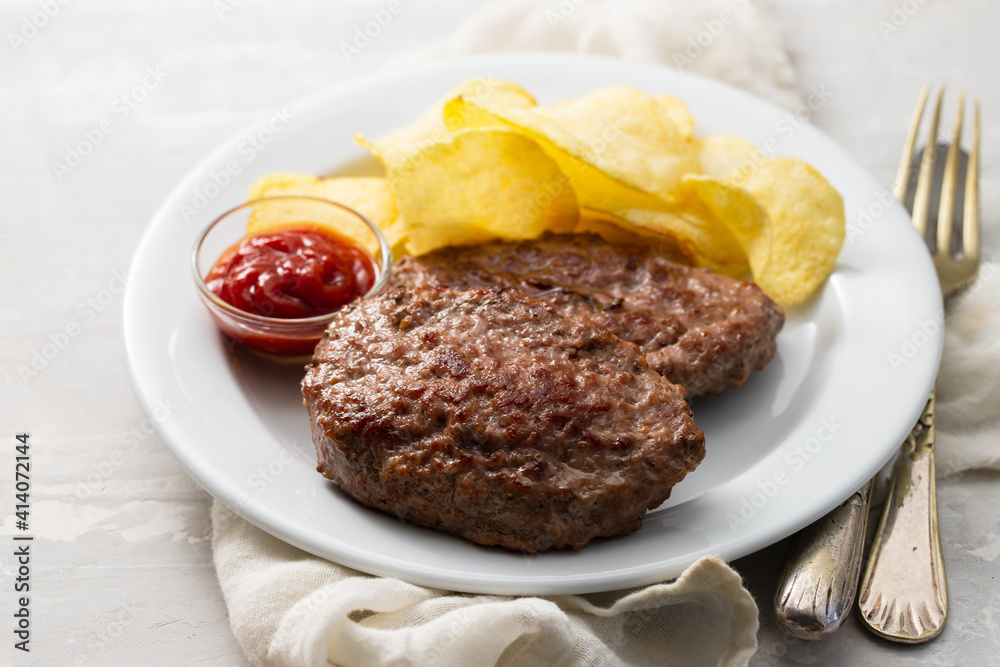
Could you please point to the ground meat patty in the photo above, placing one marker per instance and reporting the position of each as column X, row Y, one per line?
column 486, row 414
column 700, row 329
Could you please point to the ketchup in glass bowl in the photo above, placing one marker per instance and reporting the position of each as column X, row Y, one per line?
column 272, row 272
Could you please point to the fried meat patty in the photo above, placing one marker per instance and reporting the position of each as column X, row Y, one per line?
column 487, row 414
column 700, row 329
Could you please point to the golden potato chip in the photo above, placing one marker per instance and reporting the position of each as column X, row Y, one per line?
column 687, row 221
column 491, row 92
column 410, row 142
column 721, row 156
column 742, row 214
column 807, row 227
column 371, row 197
column 480, row 185
column 702, row 237
column 456, row 186
column 806, row 214
column 640, row 141
column 621, row 232
column 678, row 116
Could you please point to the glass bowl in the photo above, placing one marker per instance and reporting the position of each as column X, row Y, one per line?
column 283, row 338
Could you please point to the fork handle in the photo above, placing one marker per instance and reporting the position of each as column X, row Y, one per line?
column 816, row 589
column 904, row 596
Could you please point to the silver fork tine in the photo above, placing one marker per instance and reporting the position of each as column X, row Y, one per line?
column 902, row 186
column 948, row 185
column 922, row 198
column 970, row 222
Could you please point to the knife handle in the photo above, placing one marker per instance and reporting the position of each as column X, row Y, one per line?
column 904, row 594
column 817, row 587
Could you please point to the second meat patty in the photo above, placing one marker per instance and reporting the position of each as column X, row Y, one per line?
column 700, row 329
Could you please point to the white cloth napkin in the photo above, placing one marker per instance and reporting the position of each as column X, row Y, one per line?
column 968, row 386
column 734, row 41
column 290, row 608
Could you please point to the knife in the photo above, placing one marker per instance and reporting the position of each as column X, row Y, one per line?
column 817, row 587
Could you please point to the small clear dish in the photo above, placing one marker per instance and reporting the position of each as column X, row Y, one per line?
column 282, row 338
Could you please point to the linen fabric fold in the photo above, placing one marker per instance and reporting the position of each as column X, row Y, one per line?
column 288, row 608
column 734, row 41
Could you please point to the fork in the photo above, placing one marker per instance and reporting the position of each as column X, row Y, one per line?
column 817, row 586
column 904, row 594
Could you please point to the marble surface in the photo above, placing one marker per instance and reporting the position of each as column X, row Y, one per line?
column 121, row 570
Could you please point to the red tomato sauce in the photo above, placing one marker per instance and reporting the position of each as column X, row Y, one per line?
column 291, row 273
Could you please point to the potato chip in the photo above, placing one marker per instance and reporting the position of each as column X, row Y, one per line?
column 642, row 142
column 691, row 225
column 492, row 93
column 460, row 186
column 480, row 185
column 721, row 156
column 371, row 197
column 807, row 227
column 677, row 114
column 702, row 237
column 410, row 142
column 741, row 213
column 621, row 232
column 806, row 214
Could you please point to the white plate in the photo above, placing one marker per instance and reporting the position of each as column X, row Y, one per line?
column 852, row 371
